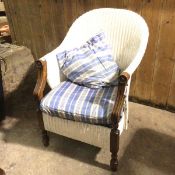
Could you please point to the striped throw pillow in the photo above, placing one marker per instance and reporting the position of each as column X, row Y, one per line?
column 91, row 64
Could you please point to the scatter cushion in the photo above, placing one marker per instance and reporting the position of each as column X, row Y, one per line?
column 79, row 103
column 91, row 64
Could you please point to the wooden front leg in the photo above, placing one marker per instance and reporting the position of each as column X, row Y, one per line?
column 114, row 147
column 115, row 118
column 2, row 172
column 45, row 138
column 38, row 94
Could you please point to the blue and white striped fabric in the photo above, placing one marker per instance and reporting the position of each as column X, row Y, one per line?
column 91, row 64
column 74, row 102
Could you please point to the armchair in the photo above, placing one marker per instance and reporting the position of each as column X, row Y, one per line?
column 127, row 33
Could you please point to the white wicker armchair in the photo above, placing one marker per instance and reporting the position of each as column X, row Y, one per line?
column 127, row 33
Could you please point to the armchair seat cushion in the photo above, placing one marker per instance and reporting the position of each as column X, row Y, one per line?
column 79, row 103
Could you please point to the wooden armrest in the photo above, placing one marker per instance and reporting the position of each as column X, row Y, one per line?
column 41, row 79
column 124, row 76
column 115, row 117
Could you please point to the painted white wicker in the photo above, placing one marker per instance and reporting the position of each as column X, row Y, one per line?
column 127, row 34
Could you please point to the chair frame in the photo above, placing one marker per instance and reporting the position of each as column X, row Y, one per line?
column 38, row 93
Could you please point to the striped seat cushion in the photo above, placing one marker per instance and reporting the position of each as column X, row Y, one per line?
column 91, row 64
column 79, row 103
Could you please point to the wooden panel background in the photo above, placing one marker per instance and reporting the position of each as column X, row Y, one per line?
column 41, row 25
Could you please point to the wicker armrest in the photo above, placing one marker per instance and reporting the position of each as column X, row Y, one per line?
column 41, row 79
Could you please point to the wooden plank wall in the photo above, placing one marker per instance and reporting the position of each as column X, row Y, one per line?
column 41, row 25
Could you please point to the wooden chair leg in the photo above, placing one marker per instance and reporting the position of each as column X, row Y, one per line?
column 2, row 172
column 45, row 138
column 114, row 147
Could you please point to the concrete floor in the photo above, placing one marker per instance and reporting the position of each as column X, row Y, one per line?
column 146, row 148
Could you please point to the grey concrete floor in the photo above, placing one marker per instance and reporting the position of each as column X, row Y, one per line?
column 146, row 148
